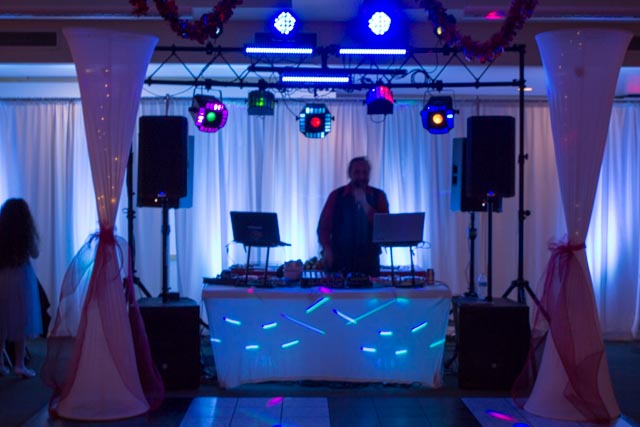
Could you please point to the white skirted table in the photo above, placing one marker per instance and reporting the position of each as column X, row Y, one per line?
column 393, row 335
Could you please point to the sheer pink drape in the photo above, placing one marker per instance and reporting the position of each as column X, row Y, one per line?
column 573, row 380
column 98, row 360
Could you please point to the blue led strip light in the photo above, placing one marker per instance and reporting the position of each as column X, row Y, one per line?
column 320, row 331
column 437, row 343
column 419, row 327
column 290, row 344
column 271, row 325
column 375, row 310
column 344, row 316
column 232, row 321
column 317, row 304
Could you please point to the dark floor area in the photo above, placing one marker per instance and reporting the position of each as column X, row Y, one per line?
column 23, row 402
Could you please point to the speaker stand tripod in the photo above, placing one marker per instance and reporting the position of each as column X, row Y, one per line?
column 490, row 205
column 472, row 234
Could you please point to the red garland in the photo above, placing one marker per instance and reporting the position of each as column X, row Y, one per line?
column 520, row 11
column 208, row 26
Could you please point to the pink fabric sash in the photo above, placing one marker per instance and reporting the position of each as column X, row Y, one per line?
column 571, row 317
column 63, row 349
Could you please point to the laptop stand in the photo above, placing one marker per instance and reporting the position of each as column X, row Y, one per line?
column 266, row 265
column 413, row 271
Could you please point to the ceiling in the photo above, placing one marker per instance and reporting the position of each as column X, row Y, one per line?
column 35, row 61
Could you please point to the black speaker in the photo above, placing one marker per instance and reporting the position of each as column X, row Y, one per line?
column 174, row 337
column 490, row 156
column 460, row 201
column 492, row 342
column 162, row 160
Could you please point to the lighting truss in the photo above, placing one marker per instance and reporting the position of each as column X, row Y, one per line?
column 316, row 61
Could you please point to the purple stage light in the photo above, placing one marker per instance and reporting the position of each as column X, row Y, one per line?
column 209, row 113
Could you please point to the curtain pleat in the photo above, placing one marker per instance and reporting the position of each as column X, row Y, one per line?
column 264, row 163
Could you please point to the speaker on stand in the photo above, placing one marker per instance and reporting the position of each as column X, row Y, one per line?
column 165, row 161
column 163, row 174
column 462, row 201
column 489, row 159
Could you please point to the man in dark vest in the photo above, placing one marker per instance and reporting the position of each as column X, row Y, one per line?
column 346, row 223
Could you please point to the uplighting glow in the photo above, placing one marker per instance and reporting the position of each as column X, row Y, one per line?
column 317, row 304
column 401, row 352
column 320, row 331
column 271, row 325
column 437, row 343
column 368, row 349
column 291, row 50
column 419, row 327
column 373, row 51
column 290, row 344
column 379, row 23
column 495, row 15
column 344, row 316
column 275, row 401
column 232, row 321
column 216, row 340
column 385, row 333
column 501, row 416
column 252, row 347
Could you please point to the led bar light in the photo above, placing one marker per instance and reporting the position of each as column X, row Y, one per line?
column 278, row 50
column 371, row 51
column 315, row 78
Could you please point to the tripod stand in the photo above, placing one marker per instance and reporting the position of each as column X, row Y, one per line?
column 520, row 283
column 472, row 234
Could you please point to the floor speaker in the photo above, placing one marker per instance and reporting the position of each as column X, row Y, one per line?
column 460, row 200
column 490, row 156
column 162, row 160
column 492, row 342
column 173, row 332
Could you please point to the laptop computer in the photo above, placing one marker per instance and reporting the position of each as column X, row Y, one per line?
column 401, row 229
column 256, row 229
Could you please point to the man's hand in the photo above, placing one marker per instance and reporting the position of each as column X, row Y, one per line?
column 361, row 199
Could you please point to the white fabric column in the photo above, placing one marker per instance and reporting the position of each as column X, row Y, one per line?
column 103, row 380
column 582, row 67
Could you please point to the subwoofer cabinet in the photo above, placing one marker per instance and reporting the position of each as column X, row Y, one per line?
column 174, row 337
column 492, row 341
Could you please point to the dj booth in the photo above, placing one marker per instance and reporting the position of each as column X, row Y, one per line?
column 386, row 334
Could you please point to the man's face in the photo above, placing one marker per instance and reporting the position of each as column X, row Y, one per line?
column 359, row 174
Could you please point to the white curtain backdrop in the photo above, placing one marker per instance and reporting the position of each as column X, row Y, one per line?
column 266, row 164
